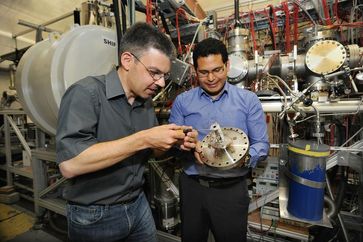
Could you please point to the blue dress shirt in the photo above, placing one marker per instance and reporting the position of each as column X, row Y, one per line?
column 235, row 107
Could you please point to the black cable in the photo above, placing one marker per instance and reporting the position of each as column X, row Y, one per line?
column 116, row 10
column 123, row 17
column 165, row 25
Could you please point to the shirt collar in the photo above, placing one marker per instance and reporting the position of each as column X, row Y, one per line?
column 113, row 85
column 224, row 90
column 114, row 88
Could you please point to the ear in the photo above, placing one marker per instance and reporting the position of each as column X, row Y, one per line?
column 126, row 59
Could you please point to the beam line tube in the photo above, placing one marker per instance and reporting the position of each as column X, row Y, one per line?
column 336, row 107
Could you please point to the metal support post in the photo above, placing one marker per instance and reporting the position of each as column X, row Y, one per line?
column 39, row 183
column 270, row 196
column 165, row 178
column 342, row 225
column 360, row 194
column 40, row 138
column 9, row 176
column 19, row 134
column 131, row 11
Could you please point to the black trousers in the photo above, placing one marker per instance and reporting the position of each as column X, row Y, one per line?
column 223, row 210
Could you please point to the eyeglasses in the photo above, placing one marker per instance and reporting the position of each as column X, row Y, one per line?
column 156, row 75
column 216, row 71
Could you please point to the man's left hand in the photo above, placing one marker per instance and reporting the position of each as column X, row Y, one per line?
column 190, row 140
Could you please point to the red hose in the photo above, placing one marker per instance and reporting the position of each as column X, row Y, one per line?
column 326, row 12
column 272, row 29
column 274, row 22
column 252, row 20
column 148, row 11
column 287, row 27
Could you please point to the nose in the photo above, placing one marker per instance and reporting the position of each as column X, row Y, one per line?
column 210, row 76
column 160, row 82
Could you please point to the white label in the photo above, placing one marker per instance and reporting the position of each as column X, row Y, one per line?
column 109, row 42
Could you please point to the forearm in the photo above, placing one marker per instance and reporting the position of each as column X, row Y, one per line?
column 103, row 155
column 106, row 154
column 258, row 151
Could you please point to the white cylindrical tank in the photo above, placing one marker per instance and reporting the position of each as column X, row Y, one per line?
column 49, row 67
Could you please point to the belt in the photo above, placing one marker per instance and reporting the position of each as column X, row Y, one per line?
column 216, row 182
column 123, row 202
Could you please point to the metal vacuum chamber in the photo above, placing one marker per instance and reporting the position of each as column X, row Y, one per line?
column 49, row 67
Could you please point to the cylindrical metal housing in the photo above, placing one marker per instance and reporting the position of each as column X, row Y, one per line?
column 307, row 167
column 48, row 68
column 238, row 40
column 167, row 212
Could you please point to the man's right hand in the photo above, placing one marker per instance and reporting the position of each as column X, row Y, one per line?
column 163, row 137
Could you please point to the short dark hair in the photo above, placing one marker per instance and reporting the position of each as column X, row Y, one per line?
column 209, row 46
column 140, row 37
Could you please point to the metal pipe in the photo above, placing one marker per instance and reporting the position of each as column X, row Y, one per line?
column 266, row 198
column 307, row 13
column 131, row 8
column 66, row 15
column 19, row 135
column 346, row 149
column 236, row 12
column 336, row 107
column 116, row 11
column 52, row 187
column 342, row 72
column 123, row 17
column 332, row 209
column 333, row 159
column 36, row 26
column 165, row 178
column 229, row 6
column 12, row 69
column 9, row 176
column 339, row 215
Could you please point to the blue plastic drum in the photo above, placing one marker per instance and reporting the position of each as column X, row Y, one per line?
column 307, row 167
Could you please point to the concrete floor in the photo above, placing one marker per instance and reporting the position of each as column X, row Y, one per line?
column 16, row 225
column 13, row 222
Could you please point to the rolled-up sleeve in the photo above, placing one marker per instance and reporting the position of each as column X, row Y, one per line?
column 257, row 132
column 77, row 122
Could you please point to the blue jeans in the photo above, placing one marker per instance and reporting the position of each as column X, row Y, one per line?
column 122, row 222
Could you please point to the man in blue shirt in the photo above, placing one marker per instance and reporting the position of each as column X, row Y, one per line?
column 214, row 199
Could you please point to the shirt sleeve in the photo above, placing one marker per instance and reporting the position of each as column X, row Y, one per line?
column 77, row 123
column 257, row 132
column 177, row 117
column 176, row 114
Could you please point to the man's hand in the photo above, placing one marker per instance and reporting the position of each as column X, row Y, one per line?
column 163, row 137
column 197, row 154
column 190, row 139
